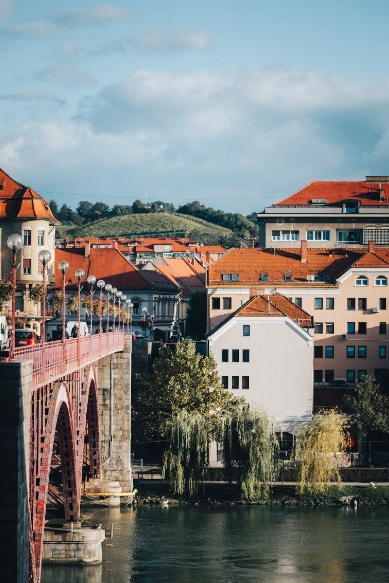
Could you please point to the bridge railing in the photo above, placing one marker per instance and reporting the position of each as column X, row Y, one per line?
column 54, row 360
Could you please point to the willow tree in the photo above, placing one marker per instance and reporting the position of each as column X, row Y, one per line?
column 250, row 449
column 316, row 450
column 186, row 459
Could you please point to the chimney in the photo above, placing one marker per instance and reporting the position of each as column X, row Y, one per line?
column 382, row 194
column 304, row 252
column 87, row 248
column 371, row 246
column 208, row 257
column 115, row 244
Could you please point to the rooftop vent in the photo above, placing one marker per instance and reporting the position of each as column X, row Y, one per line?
column 318, row 201
column 264, row 277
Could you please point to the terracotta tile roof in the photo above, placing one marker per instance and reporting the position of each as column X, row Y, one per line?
column 111, row 266
column 18, row 201
column 377, row 258
column 184, row 271
column 335, row 192
column 270, row 306
column 167, row 272
column 251, row 263
column 146, row 245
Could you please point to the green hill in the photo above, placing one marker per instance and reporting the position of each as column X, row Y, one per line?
column 141, row 224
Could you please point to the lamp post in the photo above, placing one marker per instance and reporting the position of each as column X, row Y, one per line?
column 79, row 273
column 91, row 280
column 130, row 305
column 144, row 310
column 44, row 257
column 63, row 266
column 100, row 285
column 124, row 299
column 14, row 242
column 119, row 295
column 108, row 287
column 114, row 290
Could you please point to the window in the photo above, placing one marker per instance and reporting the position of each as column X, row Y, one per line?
column 245, row 383
column 318, row 235
column 41, row 238
column 381, row 280
column 382, row 327
column 317, row 376
column 350, row 327
column 26, row 266
column 329, row 303
column 350, row 236
column 361, row 280
column 246, row 355
column 26, row 237
column 215, row 303
column 361, row 375
column 362, row 302
column 299, row 302
column 362, row 351
column 318, row 328
column 230, row 276
column 264, row 277
column 246, row 330
column 235, row 355
column 350, row 351
column 351, row 303
column 382, row 303
column 318, row 303
column 330, row 328
column 329, row 375
column 285, row 235
column 226, row 303
column 224, row 355
column 135, row 309
column 329, row 352
column 288, row 277
column 225, row 382
column 362, row 327
column 235, row 382
column 382, row 351
column 318, row 352
column 351, row 376
column 350, row 207
column 19, row 304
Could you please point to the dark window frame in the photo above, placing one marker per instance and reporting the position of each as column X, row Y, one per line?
column 225, row 355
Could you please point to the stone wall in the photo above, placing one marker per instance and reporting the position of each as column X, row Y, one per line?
column 114, row 391
column 141, row 357
column 15, row 415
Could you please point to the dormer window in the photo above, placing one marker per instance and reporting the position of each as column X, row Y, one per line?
column 264, row 277
column 350, row 207
column 288, row 277
column 230, row 276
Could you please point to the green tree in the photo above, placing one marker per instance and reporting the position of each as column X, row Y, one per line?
column 179, row 380
column 121, row 209
column 69, row 217
column 99, row 210
column 54, row 208
column 84, row 209
column 197, row 315
column 368, row 409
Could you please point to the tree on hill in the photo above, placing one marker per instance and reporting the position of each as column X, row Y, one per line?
column 84, row 209
column 99, row 210
column 234, row 221
column 68, row 217
column 121, row 209
column 54, row 208
column 197, row 315
column 180, row 380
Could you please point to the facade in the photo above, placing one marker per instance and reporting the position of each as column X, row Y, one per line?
column 150, row 292
column 345, row 291
column 24, row 212
column 329, row 214
column 264, row 352
column 144, row 250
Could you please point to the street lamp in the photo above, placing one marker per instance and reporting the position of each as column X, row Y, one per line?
column 124, row 298
column 114, row 292
column 91, row 280
column 100, row 285
column 108, row 287
column 130, row 306
column 119, row 295
column 63, row 266
column 44, row 257
column 79, row 273
column 14, row 242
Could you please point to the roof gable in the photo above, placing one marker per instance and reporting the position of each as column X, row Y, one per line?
column 367, row 193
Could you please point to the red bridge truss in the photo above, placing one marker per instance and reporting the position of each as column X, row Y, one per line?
column 64, row 423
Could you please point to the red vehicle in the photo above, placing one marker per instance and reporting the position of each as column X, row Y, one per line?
column 25, row 338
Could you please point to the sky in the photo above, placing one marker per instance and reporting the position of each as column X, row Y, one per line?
column 233, row 103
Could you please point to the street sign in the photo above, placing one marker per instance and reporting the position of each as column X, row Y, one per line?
column 136, row 333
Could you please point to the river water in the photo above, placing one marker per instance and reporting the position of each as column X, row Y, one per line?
column 238, row 544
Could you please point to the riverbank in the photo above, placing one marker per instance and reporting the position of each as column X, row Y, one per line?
column 157, row 493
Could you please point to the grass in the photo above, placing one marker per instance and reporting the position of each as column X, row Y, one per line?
column 141, row 224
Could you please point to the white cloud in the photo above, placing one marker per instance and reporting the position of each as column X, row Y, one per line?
column 32, row 96
column 34, row 30
column 65, row 75
column 94, row 15
column 6, row 6
column 165, row 42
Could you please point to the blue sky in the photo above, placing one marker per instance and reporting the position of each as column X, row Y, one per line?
column 235, row 104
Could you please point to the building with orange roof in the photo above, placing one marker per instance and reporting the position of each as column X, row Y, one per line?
column 153, row 295
column 345, row 290
column 264, row 352
column 329, row 214
column 25, row 213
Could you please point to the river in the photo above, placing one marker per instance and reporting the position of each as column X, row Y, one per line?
column 238, row 544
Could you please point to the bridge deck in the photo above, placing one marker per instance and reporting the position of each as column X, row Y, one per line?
column 54, row 360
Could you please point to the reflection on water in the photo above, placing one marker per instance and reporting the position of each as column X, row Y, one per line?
column 239, row 544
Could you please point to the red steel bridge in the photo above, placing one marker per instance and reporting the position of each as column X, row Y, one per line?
column 64, row 423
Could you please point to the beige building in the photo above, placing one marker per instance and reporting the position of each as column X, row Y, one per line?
column 25, row 213
column 346, row 292
column 264, row 352
column 329, row 214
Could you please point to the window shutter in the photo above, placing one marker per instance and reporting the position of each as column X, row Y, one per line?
column 26, row 263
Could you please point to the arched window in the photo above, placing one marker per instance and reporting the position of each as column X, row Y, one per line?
column 381, row 280
column 361, row 280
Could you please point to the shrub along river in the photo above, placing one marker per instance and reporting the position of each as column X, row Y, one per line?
column 238, row 544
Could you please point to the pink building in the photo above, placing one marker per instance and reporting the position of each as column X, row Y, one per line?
column 345, row 290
